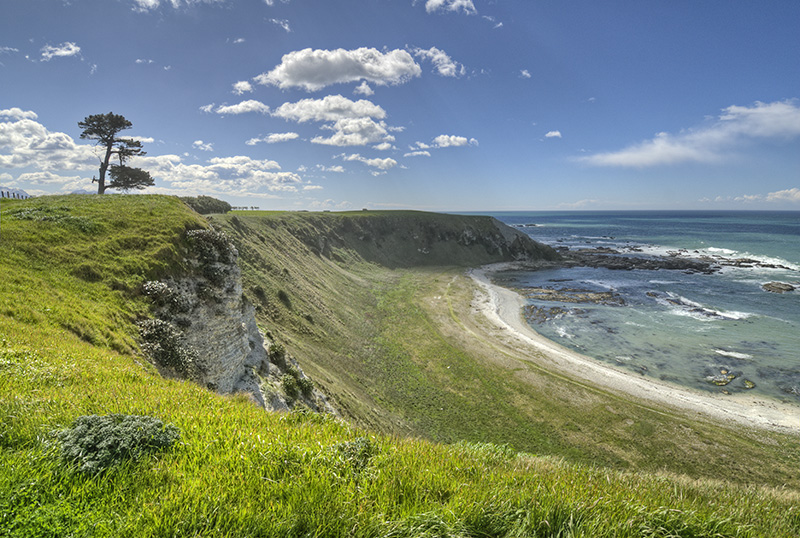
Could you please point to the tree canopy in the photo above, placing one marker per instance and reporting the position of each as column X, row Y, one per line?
column 105, row 128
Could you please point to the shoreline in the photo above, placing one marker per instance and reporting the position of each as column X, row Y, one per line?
column 502, row 307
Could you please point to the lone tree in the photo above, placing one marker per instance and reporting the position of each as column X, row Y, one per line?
column 105, row 128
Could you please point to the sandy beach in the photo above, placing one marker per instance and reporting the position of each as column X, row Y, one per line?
column 503, row 310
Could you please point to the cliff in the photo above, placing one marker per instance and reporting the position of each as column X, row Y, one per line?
column 205, row 330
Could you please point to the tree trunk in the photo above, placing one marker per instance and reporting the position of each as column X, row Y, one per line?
column 101, row 182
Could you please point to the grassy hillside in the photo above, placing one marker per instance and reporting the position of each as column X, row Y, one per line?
column 396, row 350
column 72, row 269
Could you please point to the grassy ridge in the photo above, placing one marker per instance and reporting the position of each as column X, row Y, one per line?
column 239, row 471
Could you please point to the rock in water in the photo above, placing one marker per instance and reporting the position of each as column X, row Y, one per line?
column 778, row 287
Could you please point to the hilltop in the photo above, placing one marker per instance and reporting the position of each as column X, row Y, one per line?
column 442, row 432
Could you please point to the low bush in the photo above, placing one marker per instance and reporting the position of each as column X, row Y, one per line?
column 95, row 443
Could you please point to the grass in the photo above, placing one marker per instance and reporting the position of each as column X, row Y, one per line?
column 239, row 471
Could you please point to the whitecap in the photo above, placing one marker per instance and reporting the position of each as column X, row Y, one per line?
column 733, row 354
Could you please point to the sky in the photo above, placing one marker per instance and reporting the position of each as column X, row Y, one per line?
column 443, row 105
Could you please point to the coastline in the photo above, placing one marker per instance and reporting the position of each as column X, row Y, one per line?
column 502, row 307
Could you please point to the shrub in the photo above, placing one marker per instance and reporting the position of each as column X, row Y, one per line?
column 206, row 204
column 290, row 386
column 211, row 246
column 163, row 343
column 95, row 443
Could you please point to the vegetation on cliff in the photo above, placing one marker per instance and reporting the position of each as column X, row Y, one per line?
column 73, row 269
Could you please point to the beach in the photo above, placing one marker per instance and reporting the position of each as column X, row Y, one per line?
column 502, row 308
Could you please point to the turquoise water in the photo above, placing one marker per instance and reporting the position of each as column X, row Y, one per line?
column 720, row 332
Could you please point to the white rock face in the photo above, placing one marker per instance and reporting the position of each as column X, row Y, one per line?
column 218, row 328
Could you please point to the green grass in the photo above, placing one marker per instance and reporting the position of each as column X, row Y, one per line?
column 240, row 471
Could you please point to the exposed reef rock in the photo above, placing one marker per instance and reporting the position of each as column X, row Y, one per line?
column 611, row 259
column 778, row 287
column 205, row 330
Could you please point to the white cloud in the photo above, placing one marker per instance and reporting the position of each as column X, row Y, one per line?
column 8, row 50
column 451, row 5
column 339, row 169
column 149, row 5
column 355, row 132
column 788, row 195
column 18, row 114
column 283, row 23
column 449, row 141
column 207, row 108
column 382, row 164
column 525, row 73
column 418, row 153
column 313, row 70
column 312, row 187
column 241, row 87
column 244, row 107
column 553, row 134
column 444, row 65
column 142, row 139
column 240, row 175
column 353, row 122
column 273, row 138
column 734, row 127
column 364, row 89
column 61, row 51
column 238, row 40
column 26, row 143
column 203, row 146
column 143, row 61
column 330, row 108
column 383, row 146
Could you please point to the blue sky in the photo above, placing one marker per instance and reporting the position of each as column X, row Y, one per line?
column 454, row 105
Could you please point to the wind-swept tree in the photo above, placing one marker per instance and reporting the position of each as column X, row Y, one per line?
column 105, row 129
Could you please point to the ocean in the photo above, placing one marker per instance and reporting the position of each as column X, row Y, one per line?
column 717, row 332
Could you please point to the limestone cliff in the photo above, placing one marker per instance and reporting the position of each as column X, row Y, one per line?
column 205, row 330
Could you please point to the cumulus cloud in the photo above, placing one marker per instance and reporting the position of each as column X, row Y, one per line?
column 449, row 141
column 203, row 146
column 736, row 126
column 444, row 65
column 355, row 132
column 241, row 87
column 240, row 175
column 27, row 143
column 15, row 113
column 244, row 107
column 525, row 73
column 353, row 122
column 313, row 70
column 382, row 164
column 329, row 108
column 364, row 89
column 553, row 134
column 60, row 51
column 788, row 195
column 273, row 138
column 451, row 5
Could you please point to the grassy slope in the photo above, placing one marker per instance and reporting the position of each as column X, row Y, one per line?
column 67, row 349
column 392, row 347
